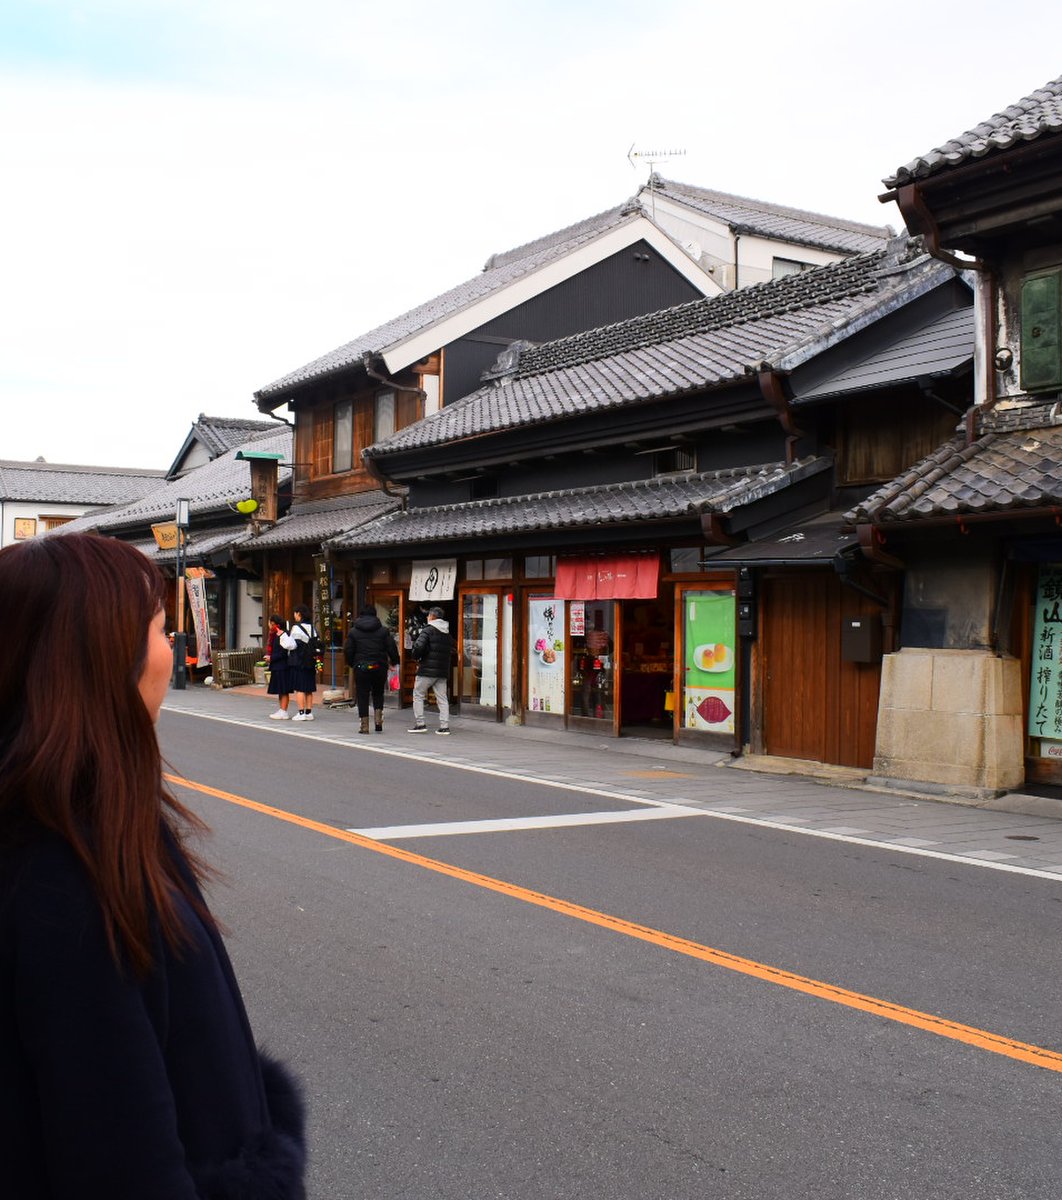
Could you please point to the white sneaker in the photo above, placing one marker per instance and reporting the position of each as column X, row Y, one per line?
column 281, row 714
column 307, row 716
column 300, row 717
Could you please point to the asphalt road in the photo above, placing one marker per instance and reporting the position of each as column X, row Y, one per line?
column 594, row 1024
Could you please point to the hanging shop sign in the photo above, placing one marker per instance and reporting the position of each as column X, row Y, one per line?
column 433, row 580
column 608, row 577
column 1045, row 699
column 165, row 535
column 325, row 614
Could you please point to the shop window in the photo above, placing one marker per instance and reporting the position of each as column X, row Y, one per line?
column 383, row 425
column 343, row 436
column 540, row 566
column 488, row 568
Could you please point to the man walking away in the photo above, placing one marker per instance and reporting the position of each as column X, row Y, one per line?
column 370, row 650
column 433, row 651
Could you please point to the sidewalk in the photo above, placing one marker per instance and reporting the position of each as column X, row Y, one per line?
column 1018, row 832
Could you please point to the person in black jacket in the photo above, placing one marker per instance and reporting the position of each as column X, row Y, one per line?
column 433, row 651
column 370, row 650
column 128, row 1068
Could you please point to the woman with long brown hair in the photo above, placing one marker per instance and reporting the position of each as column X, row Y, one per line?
column 127, row 1065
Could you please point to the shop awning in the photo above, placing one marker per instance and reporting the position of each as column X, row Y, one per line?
column 608, row 577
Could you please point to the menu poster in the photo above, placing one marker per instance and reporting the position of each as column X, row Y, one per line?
column 1045, row 700
column 197, row 602
column 709, row 667
column 545, row 654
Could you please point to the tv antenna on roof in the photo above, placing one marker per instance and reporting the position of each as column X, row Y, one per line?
column 652, row 157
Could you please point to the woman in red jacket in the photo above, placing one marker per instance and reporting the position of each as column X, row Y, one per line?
column 127, row 1065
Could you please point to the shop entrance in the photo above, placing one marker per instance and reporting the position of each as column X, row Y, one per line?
column 647, row 671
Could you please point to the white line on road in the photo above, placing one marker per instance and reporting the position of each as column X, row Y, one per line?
column 387, row 833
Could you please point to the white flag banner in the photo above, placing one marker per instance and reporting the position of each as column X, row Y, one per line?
column 434, row 580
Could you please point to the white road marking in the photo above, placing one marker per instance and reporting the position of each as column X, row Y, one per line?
column 387, row 833
column 733, row 813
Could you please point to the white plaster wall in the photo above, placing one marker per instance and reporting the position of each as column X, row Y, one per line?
column 756, row 257
column 35, row 510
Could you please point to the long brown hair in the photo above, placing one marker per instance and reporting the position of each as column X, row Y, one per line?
column 78, row 751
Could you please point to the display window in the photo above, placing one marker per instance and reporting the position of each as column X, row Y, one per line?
column 593, row 665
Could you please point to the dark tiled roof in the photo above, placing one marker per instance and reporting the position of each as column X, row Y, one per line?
column 693, row 346
column 63, row 484
column 500, row 271
column 1014, row 465
column 666, row 497
column 1037, row 115
column 777, row 221
column 209, row 488
column 316, row 522
column 219, row 434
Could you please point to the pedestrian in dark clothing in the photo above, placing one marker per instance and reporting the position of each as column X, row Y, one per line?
column 277, row 657
column 433, row 650
column 370, row 650
column 128, row 1068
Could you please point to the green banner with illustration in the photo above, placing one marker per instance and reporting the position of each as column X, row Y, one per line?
column 709, row 669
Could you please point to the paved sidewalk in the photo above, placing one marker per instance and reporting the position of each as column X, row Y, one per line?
column 1021, row 833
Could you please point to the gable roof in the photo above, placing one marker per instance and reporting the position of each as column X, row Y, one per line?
column 1015, row 465
column 506, row 280
column 775, row 221
column 1037, row 115
column 649, row 500
column 210, row 489
column 61, row 483
column 703, row 344
column 218, row 434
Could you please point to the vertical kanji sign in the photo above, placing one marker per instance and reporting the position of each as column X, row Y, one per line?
column 1045, row 699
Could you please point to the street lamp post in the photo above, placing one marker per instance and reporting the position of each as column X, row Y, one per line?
column 180, row 638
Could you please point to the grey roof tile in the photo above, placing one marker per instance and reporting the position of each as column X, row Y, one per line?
column 500, row 271
column 66, row 484
column 743, row 215
column 1036, row 115
column 315, row 522
column 591, row 507
column 698, row 345
column 1006, row 470
column 210, row 488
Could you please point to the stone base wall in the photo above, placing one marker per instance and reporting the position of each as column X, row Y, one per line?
column 952, row 718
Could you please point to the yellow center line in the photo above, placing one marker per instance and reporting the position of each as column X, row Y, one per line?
column 1038, row 1056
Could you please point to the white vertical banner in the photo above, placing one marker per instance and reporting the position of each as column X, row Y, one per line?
column 196, row 585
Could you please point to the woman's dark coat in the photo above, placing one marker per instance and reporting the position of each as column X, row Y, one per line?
column 113, row 1088
column 369, row 643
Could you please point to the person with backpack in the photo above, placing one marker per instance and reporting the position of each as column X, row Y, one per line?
column 433, row 651
column 370, row 650
column 303, row 646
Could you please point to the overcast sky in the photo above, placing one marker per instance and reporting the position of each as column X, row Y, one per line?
column 202, row 195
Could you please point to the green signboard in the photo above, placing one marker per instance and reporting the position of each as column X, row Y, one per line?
column 709, row 669
column 1045, row 699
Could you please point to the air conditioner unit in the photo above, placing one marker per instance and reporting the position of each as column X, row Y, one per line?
column 254, row 589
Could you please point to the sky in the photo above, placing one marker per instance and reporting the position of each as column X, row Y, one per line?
column 203, row 195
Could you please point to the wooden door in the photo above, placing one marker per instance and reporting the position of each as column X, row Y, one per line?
column 815, row 705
